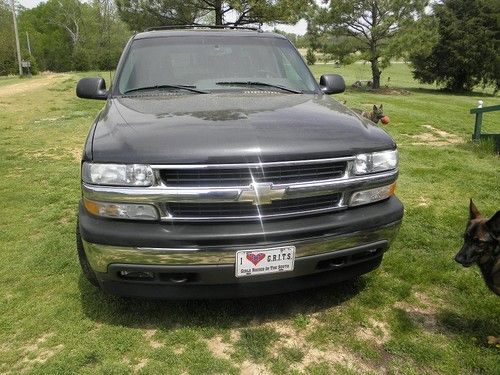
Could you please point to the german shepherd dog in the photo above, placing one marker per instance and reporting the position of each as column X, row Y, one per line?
column 482, row 246
column 375, row 116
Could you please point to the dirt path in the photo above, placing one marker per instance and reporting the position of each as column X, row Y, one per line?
column 30, row 84
column 434, row 137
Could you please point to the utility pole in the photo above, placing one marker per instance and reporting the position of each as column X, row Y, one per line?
column 17, row 37
column 28, row 40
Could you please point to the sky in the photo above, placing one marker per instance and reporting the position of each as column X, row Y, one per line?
column 299, row 28
column 28, row 3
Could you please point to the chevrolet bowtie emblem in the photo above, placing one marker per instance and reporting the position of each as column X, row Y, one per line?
column 261, row 193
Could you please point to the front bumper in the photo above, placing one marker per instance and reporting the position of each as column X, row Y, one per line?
column 187, row 260
column 229, row 287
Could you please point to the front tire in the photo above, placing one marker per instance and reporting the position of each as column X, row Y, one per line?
column 84, row 263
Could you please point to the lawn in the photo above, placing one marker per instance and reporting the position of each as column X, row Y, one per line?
column 8, row 80
column 420, row 312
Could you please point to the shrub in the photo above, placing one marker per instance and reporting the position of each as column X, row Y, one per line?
column 310, row 57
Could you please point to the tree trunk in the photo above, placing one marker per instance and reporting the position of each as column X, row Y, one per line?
column 218, row 12
column 375, row 74
column 373, row 47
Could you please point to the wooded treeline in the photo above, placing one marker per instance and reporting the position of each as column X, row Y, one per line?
column 454, row 43
column 75, row 35
column 64, row 35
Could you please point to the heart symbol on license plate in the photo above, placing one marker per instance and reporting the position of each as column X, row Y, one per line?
column 255, row 258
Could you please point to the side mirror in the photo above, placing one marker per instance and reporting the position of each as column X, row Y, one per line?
column 92, row 88
column 332, row 83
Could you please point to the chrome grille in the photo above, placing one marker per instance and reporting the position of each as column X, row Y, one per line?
column 227, row 192
column 245, row 175
column 245, row 210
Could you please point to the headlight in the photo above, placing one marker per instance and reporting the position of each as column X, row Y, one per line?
column 376, row 162
column 372, row 195
column 117, row 174
column 130, row 211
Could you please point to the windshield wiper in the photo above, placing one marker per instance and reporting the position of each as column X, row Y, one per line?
column 256, row 83
column 178, row 87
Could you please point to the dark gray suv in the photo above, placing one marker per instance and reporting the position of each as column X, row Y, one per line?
column 219, row 167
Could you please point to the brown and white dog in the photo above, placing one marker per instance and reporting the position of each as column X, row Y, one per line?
column 482, row 246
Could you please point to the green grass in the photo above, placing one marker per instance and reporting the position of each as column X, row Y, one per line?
column 399, row 74
column 419, row 313
column 9, row 80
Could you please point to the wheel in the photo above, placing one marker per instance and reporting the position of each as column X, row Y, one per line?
column 84, row 263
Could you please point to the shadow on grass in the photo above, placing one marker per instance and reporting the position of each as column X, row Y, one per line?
column 402, row 91
column 221, row 314
column 464, row 322
column 422, row 90
column 478, row 327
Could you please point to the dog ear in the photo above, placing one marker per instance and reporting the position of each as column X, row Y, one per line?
column 493, row 224
column 473, row 211
column 374, row 107
column 381, row 106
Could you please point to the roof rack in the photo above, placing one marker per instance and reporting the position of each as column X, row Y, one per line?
column 193, row 26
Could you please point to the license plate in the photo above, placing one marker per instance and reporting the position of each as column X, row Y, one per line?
column 265, row 261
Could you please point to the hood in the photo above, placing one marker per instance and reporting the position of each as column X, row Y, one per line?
column 230, row 128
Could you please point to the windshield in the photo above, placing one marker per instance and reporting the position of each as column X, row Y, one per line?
column 214, row 63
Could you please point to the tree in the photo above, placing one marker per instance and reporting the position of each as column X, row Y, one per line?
column 366, row 28
column 467, row 50
column 256, row 11
column 139, row 14
column 310, row 57
column 73, row 35
column 298, row 40
column 67, row 14
column 7, row 47
column 50, row 43
column 105, row 34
